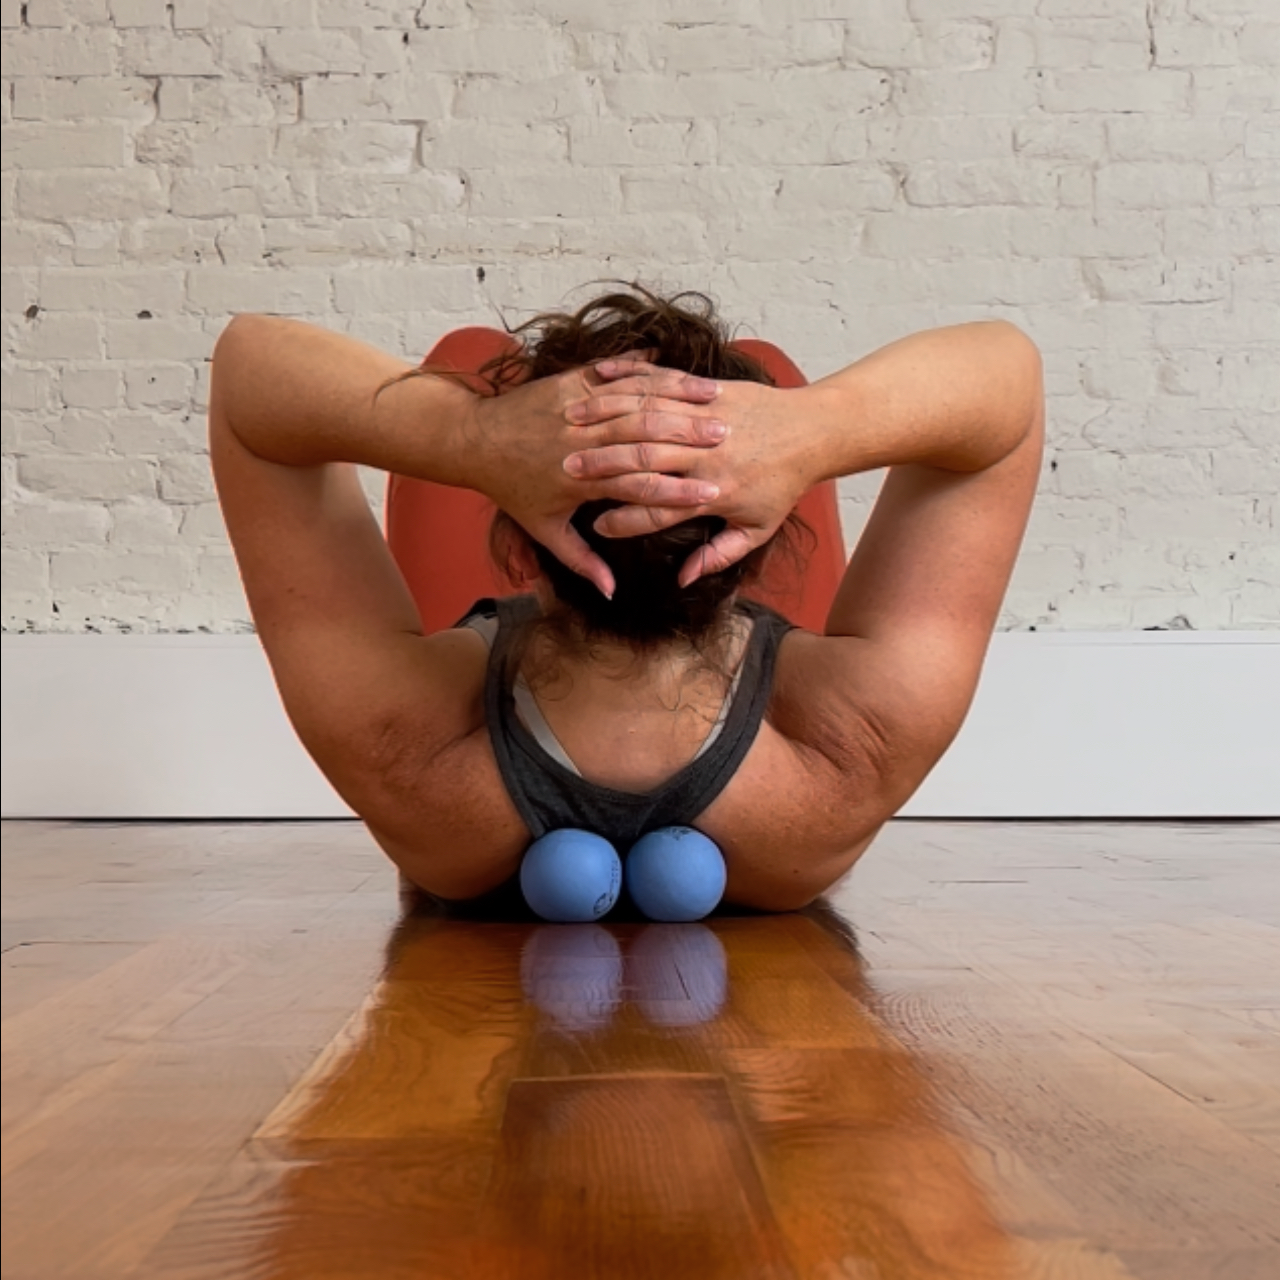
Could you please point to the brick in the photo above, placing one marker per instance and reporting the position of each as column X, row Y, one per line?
column 213, row 193
column 1249, row 185
column 225, row 291
column 1258, row 43
column 518, row 52
column 1194, row 44
column 126, row 571
column 1226, row 232
column 97, row 244
column 116, row 194
column 1262, row 137
column 72, row 431
column 58, row 337
column 145, row 524
column 414, row 195
column 80, row 51
column 92, row 98
column 405, row 288
column 67, row 13
column 1229, row 91
column 328, row 242
column 820, row 140
column 963, row 184
column 225, row 102
column 916, row 138
column 204, row 145
column 164, row 53
column 881, row 44
column 384, row 148
column 1144, row 138
column 1245, row 471
column 159, row 387
column 64, row 146
column 114, row 291
column 1190, row 373
column 171, row 340
column 202, row 523
column 637, row 143
column 190, row 15
column 29, row 389
column 1117, row 41
column 1212, row 516
column 264, row 13
column 1110, row 375
column 313, row 52
column 538, row 192
column 34, row 244
column 186, row 478
column 1151, row 185
column 139, row 13
column 44, row 524
column 986, row 92
column 96, row 479
column 26, row 588
column 91, row 388
column 1069, row 137
column 1110, row 91
column 157, row 434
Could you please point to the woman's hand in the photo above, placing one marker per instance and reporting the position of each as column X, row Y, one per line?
column 766, row 463
column 518, row 443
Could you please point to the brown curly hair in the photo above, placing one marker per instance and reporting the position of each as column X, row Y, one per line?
column 649, row 607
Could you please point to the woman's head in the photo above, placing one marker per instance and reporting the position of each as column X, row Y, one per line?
column 649, row 606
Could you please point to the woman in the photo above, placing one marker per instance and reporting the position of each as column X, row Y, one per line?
column 628, row 447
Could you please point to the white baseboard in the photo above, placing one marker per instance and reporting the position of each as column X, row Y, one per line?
column 1100, row 725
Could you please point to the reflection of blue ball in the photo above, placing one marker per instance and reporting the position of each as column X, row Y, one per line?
column 675, row 873
column 698, row 959
column 571, row 875
column 574, row 974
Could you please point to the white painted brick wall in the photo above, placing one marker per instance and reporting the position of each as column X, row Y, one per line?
column 1104, row 172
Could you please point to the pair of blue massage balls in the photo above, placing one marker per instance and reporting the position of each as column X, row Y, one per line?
column 672, row 874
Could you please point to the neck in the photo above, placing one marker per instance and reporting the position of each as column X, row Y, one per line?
column 564, row 656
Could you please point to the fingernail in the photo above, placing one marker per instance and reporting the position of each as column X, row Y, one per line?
column 607, row 367
column 706, row 386
column 574, row 464
column 714, row 430
column 708, row 492
column 576, row 411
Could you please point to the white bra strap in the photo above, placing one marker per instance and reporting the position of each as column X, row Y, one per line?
column 536, row 723
column 486, row 628
column 534, row 720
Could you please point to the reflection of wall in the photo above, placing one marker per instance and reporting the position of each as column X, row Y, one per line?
column 722, row 1098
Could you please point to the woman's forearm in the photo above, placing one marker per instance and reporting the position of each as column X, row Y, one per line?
column 960, row 399
column 302, row 396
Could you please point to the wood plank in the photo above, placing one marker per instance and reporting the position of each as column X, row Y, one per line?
column 339, row 1212
column 628, row 1176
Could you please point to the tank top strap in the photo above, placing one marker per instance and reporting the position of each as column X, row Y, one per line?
column 548, row 795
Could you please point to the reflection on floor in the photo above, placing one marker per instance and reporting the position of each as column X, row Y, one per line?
column 1004, row 1050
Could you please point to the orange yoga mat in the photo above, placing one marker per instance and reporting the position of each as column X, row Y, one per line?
column 439, row 535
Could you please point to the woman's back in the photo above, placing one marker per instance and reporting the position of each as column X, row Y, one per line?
column 855, row 718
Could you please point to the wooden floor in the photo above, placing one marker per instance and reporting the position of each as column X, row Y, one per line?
column 1053, row 1050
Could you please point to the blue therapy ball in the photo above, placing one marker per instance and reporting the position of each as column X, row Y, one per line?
column 571, row 875
column 675, row 873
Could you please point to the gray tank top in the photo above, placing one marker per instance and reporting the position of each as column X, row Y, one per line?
column 544, row 784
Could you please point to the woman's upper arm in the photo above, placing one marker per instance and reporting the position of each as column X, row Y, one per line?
column 918, row 604
column 331, row 609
